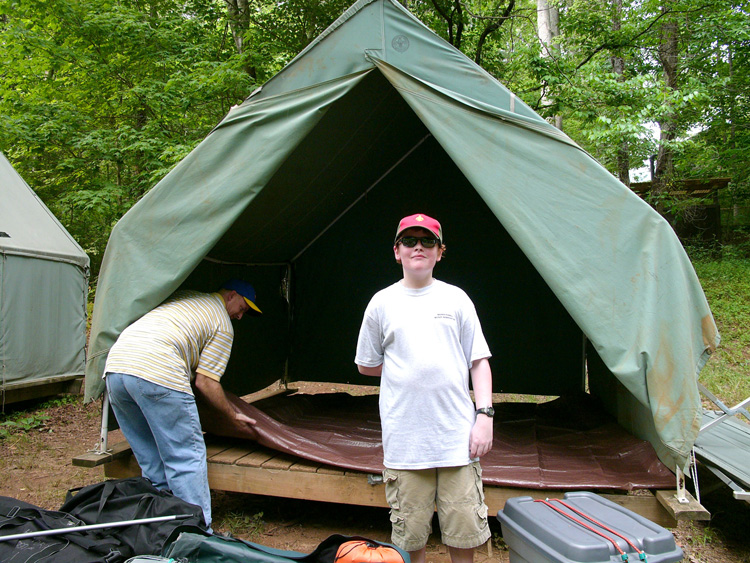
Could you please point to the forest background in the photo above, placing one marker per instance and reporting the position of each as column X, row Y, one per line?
column 99, row 99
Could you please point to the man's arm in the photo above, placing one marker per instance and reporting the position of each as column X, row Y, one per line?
column 481, row 433
column 376, row 371
column 212, row 391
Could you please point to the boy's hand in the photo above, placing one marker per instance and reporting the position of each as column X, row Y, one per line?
column 480, row 441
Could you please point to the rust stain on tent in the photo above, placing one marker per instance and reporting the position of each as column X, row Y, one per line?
column 661, row 379
column 661, row 384
column 709, row 333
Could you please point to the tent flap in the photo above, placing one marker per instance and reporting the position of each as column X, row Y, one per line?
column 183, row 217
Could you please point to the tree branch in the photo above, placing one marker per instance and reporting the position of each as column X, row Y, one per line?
column 608, row 45
column 491, row 28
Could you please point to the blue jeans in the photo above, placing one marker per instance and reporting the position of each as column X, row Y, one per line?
column 164, row 431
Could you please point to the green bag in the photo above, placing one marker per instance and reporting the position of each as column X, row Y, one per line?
column 195, row 546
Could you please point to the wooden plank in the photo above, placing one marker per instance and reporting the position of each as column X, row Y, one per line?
column 647, row 505
column 93, row 459
column 344, row 489
column 47, row 387
column 692, row 510
column 231, row 455
column 215, row 447
column 256, row 458
column 281, row 462
column 305, row 466
column 330, row 470
column 271, row 391
column 122, row 467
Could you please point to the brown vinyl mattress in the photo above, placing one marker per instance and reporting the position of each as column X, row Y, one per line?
column 568, row 443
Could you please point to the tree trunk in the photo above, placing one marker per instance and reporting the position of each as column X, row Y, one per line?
column 548, row 19
column 669, row 59
column 618, row 66
column 239, row 22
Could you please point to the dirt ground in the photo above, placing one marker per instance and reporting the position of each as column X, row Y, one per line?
column 36, row 467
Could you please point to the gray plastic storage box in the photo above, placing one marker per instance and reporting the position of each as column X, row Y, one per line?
column 536, row 533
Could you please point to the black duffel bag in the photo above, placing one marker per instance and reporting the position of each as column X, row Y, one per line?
column 134, row 498
column 21, row 518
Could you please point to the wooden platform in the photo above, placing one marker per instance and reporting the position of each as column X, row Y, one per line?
column 245, row 467
column 39, row 388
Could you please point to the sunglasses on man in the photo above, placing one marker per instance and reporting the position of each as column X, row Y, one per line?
column 411, row 242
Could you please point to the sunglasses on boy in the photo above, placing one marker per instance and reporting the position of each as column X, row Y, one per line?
column 411, row 242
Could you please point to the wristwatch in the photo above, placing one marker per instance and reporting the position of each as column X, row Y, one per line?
column 489, row 411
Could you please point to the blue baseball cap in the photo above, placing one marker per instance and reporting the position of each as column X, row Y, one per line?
column 246, row 290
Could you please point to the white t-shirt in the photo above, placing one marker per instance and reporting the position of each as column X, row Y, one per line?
column 426, row 340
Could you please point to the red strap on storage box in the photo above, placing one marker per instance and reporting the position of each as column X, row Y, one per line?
column 623, row 555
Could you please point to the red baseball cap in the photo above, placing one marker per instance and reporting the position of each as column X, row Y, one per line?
column 421, row 221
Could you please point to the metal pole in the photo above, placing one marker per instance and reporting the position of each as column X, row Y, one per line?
column 105, row 424
column 88, row 527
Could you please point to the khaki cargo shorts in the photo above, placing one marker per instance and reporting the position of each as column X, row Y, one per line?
column 456, row 491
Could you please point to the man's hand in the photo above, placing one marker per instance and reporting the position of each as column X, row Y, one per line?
column 480, row 441
column 244, row 418
column 213, row 393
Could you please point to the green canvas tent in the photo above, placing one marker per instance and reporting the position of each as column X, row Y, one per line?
column 43, row 292
column 577, row 281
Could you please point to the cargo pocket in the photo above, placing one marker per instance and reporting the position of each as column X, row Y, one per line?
column 482, row 509
column 390, row 480
column 478, row 480
column 398, row 524
column 398, row 528
column 482, row 512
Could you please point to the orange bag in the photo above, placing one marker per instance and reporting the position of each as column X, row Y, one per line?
column 363, row 551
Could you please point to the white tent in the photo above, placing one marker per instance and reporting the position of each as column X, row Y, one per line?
column 43, row 291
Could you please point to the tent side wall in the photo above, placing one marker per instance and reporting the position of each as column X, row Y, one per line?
column 43, row 294
column 42, row 319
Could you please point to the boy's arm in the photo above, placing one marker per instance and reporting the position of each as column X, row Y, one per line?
column 481, row 433
column 376, row 371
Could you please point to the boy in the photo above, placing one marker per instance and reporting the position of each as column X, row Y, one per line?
column 424, row 338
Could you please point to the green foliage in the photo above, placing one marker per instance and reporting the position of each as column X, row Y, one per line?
column 60, row 401
column 32, row 418
column 726, row 283
column 21, row 423
column 244, row 525
column 102, row 99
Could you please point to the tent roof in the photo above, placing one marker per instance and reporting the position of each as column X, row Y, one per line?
column 305, row 158
column 29, row 227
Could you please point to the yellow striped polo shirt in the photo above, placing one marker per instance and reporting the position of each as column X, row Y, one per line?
column 190, row 332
